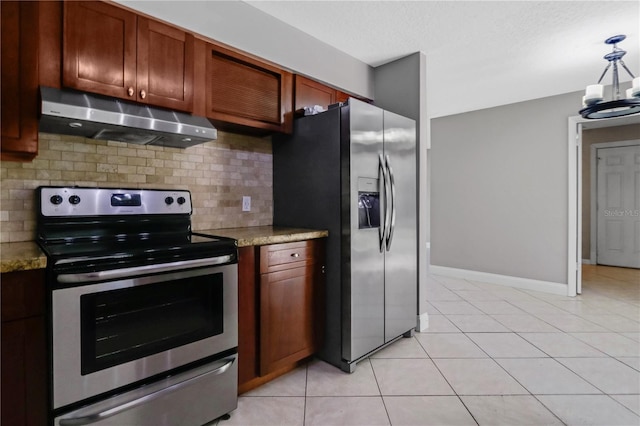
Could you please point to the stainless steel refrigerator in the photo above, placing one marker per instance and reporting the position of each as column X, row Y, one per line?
column 352, row 170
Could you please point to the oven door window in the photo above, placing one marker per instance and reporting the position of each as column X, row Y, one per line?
column 122, row 325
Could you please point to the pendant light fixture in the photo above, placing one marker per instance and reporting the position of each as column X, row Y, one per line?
column 628, row 103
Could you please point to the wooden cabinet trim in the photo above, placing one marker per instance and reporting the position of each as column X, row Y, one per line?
column 248, row 309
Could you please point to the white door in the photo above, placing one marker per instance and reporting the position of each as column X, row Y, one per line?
column 618, row 206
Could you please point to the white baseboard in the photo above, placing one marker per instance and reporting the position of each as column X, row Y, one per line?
column 423, row 322
column 587, row 262
column 506, row 280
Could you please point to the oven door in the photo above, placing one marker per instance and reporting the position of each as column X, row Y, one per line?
column 110, row 334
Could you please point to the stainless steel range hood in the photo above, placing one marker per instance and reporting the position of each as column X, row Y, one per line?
column 82, row 114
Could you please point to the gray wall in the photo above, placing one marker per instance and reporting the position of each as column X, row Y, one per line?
column 499, row 195
column 400, row 87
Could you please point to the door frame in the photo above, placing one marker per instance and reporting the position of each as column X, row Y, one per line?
column 574, row 192
column 593, row 254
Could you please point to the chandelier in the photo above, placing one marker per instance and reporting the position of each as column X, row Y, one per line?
column 593, row 102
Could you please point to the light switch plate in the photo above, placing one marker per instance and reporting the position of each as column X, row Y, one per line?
column 246, row 203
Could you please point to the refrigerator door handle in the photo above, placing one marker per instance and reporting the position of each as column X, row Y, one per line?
column 384, row 228
column 392, row 185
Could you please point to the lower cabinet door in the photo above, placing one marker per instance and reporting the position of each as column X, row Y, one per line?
column 288, row 309
column 24, row 377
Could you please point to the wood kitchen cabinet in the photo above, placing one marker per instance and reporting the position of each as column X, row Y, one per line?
column 281, row 308
column 291, row 303
column 23, row 357
column 30, row 53
column 309, row 92
column 246, row 94
column 114, row 52
column 247, row 315
column 19, row 80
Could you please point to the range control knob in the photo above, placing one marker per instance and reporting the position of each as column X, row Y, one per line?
column 56, row 199
column 74, row 199
column 168, row 201
column 181, row 200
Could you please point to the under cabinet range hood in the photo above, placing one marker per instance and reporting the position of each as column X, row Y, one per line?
column 92, row 116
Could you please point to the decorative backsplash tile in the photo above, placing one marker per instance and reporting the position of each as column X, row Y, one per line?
column 217, row 173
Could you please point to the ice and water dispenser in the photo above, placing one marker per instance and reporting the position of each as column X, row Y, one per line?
column 368, row 203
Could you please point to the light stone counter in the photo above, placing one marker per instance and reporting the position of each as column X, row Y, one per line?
column 262, row 235
column 22, row 256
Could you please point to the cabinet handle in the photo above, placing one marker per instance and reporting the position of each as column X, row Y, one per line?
column 130, row 91
column 295, row 255
column 143, row 94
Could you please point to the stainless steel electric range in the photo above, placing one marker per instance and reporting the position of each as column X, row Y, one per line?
column 143, row 311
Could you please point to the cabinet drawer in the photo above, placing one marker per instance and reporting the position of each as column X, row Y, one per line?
column 279, row 257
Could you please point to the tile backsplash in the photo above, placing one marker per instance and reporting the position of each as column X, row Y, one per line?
column 217, row 173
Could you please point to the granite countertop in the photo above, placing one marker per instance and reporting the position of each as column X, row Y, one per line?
column 26, row 255
column 262, row 235
column 21, row 256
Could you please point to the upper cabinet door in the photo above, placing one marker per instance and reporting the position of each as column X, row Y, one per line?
column 114, row 52
column 248, row 93
column 99, row 49
column 310, row 93
column 19, row 122
column 165, row 65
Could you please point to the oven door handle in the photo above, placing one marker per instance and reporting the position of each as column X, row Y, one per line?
column 135, row 271
column 138, row 397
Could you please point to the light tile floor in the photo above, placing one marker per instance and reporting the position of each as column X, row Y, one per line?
column 493, row 355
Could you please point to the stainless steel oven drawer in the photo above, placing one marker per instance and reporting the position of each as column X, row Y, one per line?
column 191, row 398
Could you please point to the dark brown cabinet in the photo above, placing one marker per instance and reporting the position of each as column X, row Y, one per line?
column 247, row 316
column 310, row 92
column 24, row 362
column 112, row 51
column 243, row 93
column 281, row 307
column 19, row 80
column 30, row 38
column 342, row 97
column 291, row 303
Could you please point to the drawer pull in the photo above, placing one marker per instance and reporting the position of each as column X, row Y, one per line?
column 295, row 255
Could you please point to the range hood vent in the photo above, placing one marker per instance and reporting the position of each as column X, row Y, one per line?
column 75, row 113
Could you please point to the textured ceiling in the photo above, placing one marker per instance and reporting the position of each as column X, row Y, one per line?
column 479, row 53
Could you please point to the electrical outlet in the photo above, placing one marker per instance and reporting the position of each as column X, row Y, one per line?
column 246, row 203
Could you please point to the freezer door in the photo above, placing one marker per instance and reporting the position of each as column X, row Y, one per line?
column 401, row 272
column 363, row 199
